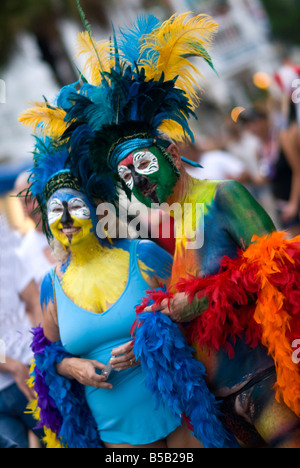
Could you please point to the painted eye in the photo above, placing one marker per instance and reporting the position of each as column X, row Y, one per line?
column 57, row 210
column 127, row 177
column 143, row 165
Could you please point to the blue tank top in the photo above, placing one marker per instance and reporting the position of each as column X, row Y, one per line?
column 128, row 413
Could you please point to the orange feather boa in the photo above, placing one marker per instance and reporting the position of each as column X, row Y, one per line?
column 255, row 295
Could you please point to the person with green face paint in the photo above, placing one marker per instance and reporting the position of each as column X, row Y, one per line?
column 231, row 218
column 223, row 293
column 149, row 174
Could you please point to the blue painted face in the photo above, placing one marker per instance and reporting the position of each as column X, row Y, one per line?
column 71, row 216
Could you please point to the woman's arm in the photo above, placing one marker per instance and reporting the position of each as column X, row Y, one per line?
column 290, row 140
column 49, row 312
column 83, row 370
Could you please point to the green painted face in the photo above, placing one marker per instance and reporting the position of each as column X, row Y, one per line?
column 149, row 175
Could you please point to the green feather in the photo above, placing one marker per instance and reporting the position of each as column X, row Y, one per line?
column 85, row 22
column 88, row 28
column 200, row 51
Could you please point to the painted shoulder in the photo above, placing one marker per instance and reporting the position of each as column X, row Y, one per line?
column 47, row 289
column 230, row 195
column 245, row 216
column 157, row 260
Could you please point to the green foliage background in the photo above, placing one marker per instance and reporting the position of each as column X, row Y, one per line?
column 285, row 20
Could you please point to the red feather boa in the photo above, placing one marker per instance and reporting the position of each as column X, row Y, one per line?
column 257, row 295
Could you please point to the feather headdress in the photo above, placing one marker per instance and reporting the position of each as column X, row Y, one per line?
column 50, row 172
column 45, row 118
column 146, row 88
column 141, row 84
column 174, row 44
column 98, row 57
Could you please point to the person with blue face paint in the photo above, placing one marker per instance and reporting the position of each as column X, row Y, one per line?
column 88, row 303
column 71, row 216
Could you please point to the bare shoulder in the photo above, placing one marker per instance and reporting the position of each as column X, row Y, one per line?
column 155, row 262
column 48, row 305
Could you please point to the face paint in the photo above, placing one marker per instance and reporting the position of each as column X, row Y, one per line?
column 70, row 216
column 149, row 175
column 144, row 163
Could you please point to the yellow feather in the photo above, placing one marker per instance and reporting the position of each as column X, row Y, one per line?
column 175, row 42
column 98, row 56
column 51, row 441
column 50, row 119
column 173, row 129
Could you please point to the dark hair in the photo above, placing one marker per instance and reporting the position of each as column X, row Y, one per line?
column 252, row 115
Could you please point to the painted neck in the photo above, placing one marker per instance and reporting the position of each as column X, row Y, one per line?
column 181, row 189
column 86, row 250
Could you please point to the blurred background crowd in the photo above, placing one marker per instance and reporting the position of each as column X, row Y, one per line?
column 248, row 125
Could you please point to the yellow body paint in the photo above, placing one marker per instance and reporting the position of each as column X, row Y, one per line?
column 96, row 276
column 194, row 206
column 84, row 226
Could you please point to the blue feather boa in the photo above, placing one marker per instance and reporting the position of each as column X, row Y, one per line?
column 173, row 375
column 177, row 379
column 77, row 428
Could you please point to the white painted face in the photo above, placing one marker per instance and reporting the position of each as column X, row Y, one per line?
column 144, row 163
column 76, row 207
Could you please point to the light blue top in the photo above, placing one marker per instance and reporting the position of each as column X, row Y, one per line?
column 127, row 413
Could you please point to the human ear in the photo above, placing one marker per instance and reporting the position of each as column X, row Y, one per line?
column 174, row 152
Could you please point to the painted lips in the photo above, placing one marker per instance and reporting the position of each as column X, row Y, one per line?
column 70, row 230
column 150, row 191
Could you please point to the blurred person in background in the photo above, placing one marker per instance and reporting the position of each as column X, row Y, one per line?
column 18, row 293
column 245, row 146
column 285, row 178
column 216, row 164
column 252, row 140
column 34, row 248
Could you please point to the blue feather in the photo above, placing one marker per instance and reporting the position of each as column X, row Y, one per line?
column 177, row 379
column 132, row 39
column 93, row 185
column 48, row 160
column 78, row 428
column 63, row 99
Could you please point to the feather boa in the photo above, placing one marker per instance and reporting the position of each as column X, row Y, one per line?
column 60, row 402
column 256, row 295
column 175, row 377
